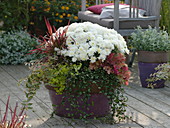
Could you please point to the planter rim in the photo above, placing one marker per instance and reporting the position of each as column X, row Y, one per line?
column 153, row 57
column 50, row 88
column 153, row 51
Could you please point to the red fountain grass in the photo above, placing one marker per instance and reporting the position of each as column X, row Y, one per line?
column 17, row 121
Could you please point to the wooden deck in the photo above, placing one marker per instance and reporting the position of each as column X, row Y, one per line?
column 149, row 108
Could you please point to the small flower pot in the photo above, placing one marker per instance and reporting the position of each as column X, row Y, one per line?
column 96, row 106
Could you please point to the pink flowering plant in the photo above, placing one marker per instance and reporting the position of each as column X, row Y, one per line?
column 82, row 59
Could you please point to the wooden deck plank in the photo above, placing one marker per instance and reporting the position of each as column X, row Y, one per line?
column 24, row 71
column 155, row 93
column 18, row 94
column 47, row 99
column 57, row 121
column 139, row 100
column 16, row 76
column 39, row 100
column 153, row 103
column 39, row 93
column 2, row 107
column 166, row 89
column 157, row 117
column 141, row 119
column 149, row 100
column 13, row 99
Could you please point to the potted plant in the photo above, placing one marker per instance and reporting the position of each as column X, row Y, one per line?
column 152, row 47
column 83, row 67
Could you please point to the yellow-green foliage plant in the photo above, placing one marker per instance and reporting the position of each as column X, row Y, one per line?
column 165, row 15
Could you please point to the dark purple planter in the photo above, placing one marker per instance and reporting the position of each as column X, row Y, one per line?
column 145, row 69
column 99, row 108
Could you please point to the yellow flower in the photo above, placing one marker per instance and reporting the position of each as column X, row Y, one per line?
column 56, row 20
column 67, row 8
column 48, row 3
column 57, row 14
column 68, row 15
column 75, row 17
column 62, row 7
column 32, row 23
column 60, row 21
column 33, row 8
column 33, row 2
column 61, row 16
column 47, row 9
column 64, row 14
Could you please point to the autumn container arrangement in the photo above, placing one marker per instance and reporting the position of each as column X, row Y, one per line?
column 83, row 68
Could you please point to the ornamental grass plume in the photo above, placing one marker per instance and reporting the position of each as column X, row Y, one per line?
column 17, row 120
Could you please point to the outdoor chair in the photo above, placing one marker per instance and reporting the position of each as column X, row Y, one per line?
column 124, row 23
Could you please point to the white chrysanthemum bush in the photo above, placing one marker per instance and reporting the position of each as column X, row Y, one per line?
column 80, row 60
column 87, row 41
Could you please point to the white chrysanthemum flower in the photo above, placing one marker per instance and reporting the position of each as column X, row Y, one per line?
column 92, row 59
column 99, row 50
column 91, row 51
column 71, row 53
column 102, row 57
column 92, row 43
column 74, row 59
column 56, row 49
column 83, row 56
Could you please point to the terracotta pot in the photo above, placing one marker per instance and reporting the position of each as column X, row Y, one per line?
column 99, row 108
column 153, row 57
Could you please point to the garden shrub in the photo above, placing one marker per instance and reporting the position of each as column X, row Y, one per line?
column 14, row 47
column 14, row 14
column 58, row 12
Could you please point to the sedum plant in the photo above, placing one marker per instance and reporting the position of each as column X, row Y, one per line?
column 150, row 40
column 14, row 47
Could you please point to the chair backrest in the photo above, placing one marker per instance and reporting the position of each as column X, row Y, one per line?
column 152, row 7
